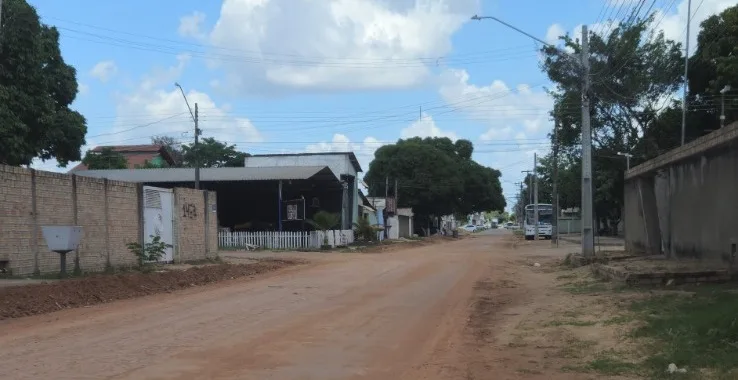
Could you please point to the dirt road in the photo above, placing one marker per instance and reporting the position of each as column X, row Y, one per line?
column 400, row 315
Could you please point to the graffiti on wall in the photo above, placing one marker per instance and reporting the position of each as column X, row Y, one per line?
column 189, row 210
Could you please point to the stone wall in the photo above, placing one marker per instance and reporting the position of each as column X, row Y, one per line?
column 109, row 212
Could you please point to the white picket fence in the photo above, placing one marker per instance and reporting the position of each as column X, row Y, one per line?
column 283, row 240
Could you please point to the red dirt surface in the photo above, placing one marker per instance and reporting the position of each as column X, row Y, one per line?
column 29, row 300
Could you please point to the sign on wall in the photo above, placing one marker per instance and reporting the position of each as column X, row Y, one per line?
column 293, row 210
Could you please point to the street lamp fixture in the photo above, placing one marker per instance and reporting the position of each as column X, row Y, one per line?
column 627, row 158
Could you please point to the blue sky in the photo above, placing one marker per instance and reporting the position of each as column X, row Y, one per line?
column 303, row 75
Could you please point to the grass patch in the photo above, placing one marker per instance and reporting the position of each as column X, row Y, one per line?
column 611, row 366
column 697, row 332
column 619, row 320
column 574, row 348
column 567, row 276
column 570, row 323
column 585, row 287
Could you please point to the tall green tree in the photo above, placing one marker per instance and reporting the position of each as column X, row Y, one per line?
column 107, row 158
column 436, row 177
column 36, row 90
column 713, row 66
column 633, row 70
column 212, row 153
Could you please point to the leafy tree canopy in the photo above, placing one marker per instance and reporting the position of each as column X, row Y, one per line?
column 633, row 70
column 212, row 154
column 107, row 158
column 435, row 177
column 36, row 89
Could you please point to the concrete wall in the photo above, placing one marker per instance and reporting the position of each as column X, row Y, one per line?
column 109, row 213
column 683, row 203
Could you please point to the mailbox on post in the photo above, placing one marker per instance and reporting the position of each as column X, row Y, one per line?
column 62, row 240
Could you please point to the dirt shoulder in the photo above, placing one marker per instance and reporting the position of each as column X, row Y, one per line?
column 20, row 301
column 533, row 317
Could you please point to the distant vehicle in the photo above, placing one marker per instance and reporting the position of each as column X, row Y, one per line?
column 545, row 217
column 509, row 225
column 470, row 228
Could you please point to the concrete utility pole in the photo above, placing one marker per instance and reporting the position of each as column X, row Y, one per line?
column 686, row 70
column 535, row 196
column 555, row 185
column 587, row 213
column 195, row 118
column 197, row 149
column 583, row 62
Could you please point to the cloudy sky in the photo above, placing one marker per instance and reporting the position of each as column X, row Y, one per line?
column 279, row 76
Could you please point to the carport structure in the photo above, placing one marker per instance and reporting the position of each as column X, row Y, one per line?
column 251, row 198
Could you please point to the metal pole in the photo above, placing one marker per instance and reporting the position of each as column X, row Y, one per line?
column 535, row 197
column 197, row 149
column 555, row 186
column 686, row 70
column 279, row 209
column 587, row 228
column 722, row 112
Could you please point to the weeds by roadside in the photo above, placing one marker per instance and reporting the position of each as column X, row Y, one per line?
column 692, row 327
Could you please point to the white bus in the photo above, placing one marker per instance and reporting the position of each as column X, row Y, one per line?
column 545, row 220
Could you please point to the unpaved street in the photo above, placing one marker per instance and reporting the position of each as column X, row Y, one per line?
column 400, row 315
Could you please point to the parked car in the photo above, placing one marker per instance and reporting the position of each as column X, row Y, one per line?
column 470, row 228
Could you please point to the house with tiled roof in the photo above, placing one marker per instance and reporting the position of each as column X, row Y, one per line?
column 137, row 155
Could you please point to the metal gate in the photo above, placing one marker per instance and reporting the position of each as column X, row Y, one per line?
column 158, row 217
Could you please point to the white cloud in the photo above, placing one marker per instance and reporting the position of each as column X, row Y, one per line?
column 675, row 21
column 191, row 26
column 155, row 107
column 426, row 127
column 496, row 133
column 330, row 45
column 104, row 71
column 553, row 33
column 504, row 109
column 364, row 150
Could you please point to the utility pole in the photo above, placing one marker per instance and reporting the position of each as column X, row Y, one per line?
column 197, row 149
column 686, row 70
column 555, row 185
column 587, row 228
column 397, row 197
column 195, row 118
column 535, row 196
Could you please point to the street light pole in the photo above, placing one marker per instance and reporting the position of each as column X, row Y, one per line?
column 583, row 62
column 195, row 118
column 627, row 158
column 722, row 101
